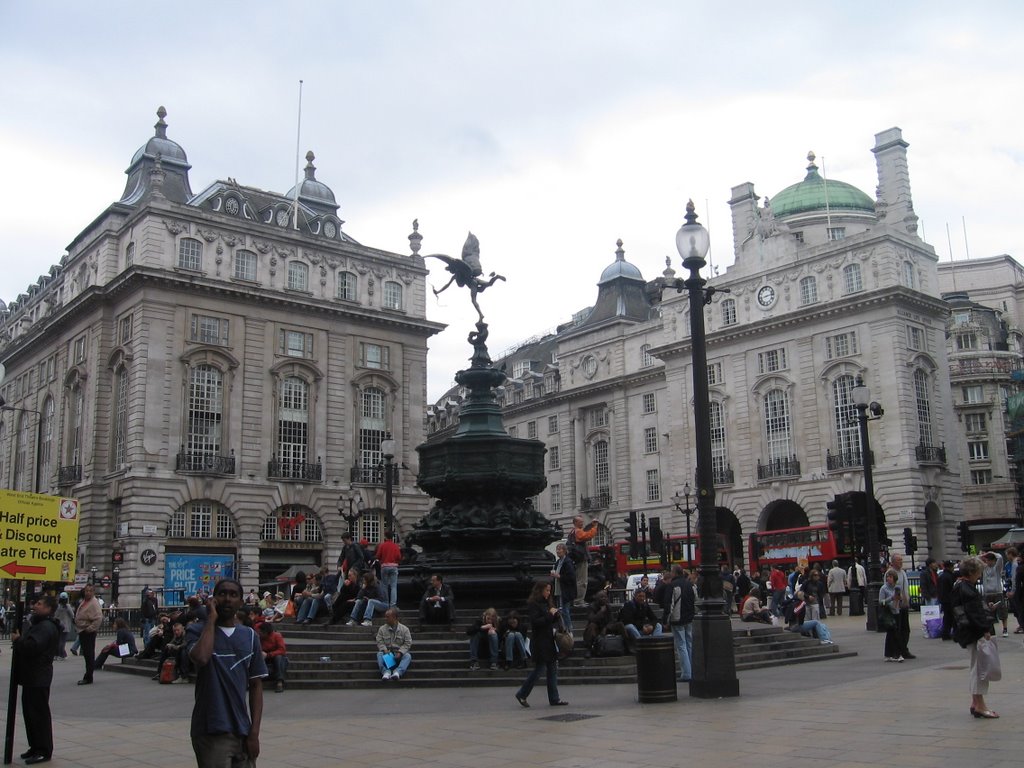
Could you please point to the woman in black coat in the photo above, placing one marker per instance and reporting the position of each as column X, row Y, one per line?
column 976, row 624
column 543, row 616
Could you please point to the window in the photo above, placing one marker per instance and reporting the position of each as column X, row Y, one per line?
column 974, row 422
column 372, row 427
column 531, row 430
column 298, row 276
column 649, row 402
column 962, row 317
column 51, row 368
column 556, row 497
column 76, row 405
column 190, row 254
column 841, row 345
column 293, row 426
column 915, row 338
column 370, row 526
column 967, row 341
column 22, row 481
column 295, row 343
column 513, row 431
column 520, row 368
column 981, row 476
column 3, row 454
column 291, row 523
column 650, row 440
column 45, row 447
column 646, row 359
column 129, row 255
column 374, row 356
column 207, row 329
column 553, row 460
column 79, row 351
column 851, row 279
column 714, row 373
column 124, row 329
column 977, row 450
column 907, row 274
column 653, row 485
column 845, row 418
column 777, row 426
column 598, row 418
column 771, row 361
column 924, row 408
column 552, row 425
column 836, row 233
column 205, row 414
column 808, row 291
column 120, row 451
column 972, row 394
column 392, row 295
column 346, row 286
column 201, row 520
column 799, row 237
column 245, row 266
column 602, row 476
column 719, row 452
column 728, row 311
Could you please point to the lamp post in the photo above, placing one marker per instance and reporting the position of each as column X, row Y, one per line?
column 354, row 502
column 861, row 397
column 92, row 575
column 687, row 510
column 387, row 447
column 714, row 662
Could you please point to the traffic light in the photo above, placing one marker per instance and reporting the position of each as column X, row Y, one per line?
column 908, row 541
column 963, row 535
column 838, row 521
column 657, row 536
column 632, row 531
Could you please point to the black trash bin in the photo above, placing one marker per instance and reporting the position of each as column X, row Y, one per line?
column 655, row 669
column 857, row 602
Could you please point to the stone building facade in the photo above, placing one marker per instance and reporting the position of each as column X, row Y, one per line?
column 210, row 373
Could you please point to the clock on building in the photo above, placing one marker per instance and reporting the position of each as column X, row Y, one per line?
column 282, row 218
column 766, row 296
column 329, row 229
column 231, row 206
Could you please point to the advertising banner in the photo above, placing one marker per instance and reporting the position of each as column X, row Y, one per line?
column 194, row 571
column 38, row 536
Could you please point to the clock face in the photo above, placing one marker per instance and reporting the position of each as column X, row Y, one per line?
column 766, row 296
column 329, row 229
column 231, row 206
column 282, row 218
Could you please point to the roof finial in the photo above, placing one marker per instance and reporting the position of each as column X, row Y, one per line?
column 310, row 168
column 415, row 238
column 620, row 255
column 668, row 272
column 161, row 126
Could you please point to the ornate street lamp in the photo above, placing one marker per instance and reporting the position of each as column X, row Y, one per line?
column 862, row 401
column 388, row 448
column 353, row 500
column 714, row 663
column 688, row 511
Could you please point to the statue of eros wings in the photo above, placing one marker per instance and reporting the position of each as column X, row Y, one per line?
column 466, row 272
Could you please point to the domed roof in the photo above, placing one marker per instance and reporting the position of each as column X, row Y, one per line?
column 814, row 194
column 160, row 144
column 311, row 190
column 620, row 268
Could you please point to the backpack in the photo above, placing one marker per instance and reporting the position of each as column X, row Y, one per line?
column 577, row 551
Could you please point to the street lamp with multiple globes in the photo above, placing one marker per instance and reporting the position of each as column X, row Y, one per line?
column 354, row 501
column 688, row 511
column 862, row 401
column 388, row 448
column 714, row 662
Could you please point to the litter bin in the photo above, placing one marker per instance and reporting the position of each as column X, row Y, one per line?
column 857, row 602
column 655, row 669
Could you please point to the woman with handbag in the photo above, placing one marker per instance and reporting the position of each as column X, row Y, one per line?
column 544, row 617
column 888, row 609
column 973, row 622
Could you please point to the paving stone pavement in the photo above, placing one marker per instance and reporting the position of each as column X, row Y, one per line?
column 851, row 713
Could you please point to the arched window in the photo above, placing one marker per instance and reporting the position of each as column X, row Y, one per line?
column 119, row 452
column 45, row 447
column 3, row 454
column 298, row 276
column 907, row 274
column 346, row 286
column 292, row 523
column 205, row 414
column 21, row 454
column 201, row 520
column 76, row 406
column 602, row 469
column 293, row 427
column 851, row 279
column 372, row 430
column 924, row 408
column 129, row 255
column 392, row 295
column 778, row 427
column 190, row 254
column 719, row 448
column 808, row 290
column 845, row 419
column 729, row 311
column 646, row 359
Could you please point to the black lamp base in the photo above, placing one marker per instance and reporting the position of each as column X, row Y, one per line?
column 714, row 661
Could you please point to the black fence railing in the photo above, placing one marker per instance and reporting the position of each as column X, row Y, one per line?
column 847, row 459
column 592, row 503
column 289, row 469
column 723, row 476
column 69, row 475
column 205, row 463
column 933, row 454
column 788, row 467
column 373, row 475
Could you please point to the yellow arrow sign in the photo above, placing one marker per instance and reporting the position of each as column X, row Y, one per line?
column 38, row 536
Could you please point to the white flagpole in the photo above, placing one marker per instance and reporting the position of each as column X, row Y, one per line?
column 298, row 150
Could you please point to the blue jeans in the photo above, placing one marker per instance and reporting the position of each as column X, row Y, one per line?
column 633, row 632
column 778, row 596
column 403, row 663
column 389, row 580
column 371, row 605
column 682, row 634
column 277, row 666
column 539, row 667
column 514, row 640
column 563, row 607
column 474, row 646
column 813, row 627
column 309, row 609
column 147, row 624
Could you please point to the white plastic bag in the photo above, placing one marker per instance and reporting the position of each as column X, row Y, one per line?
column 989, row 668
column 931, row 620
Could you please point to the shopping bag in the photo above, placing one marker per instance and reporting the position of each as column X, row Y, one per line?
column 388, row 659
column 124, row 650
column 931, row 621
column 989, row 669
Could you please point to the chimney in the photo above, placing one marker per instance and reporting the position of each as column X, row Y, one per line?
column 894, row 203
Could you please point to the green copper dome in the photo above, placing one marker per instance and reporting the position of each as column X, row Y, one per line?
column 812, row 193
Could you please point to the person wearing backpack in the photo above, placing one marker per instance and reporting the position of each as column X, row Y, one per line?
column 576, row 544
column 680, row 619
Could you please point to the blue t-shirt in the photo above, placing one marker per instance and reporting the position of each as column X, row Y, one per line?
column 222, row 686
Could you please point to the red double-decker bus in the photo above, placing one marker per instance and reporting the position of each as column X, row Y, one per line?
column 678, row 549
column 813, row 543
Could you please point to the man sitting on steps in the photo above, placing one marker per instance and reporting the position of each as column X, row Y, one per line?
column 393, row 643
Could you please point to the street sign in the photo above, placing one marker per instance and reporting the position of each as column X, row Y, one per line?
column 38, row 536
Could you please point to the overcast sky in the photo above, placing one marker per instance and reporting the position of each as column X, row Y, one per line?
column 549, row 129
